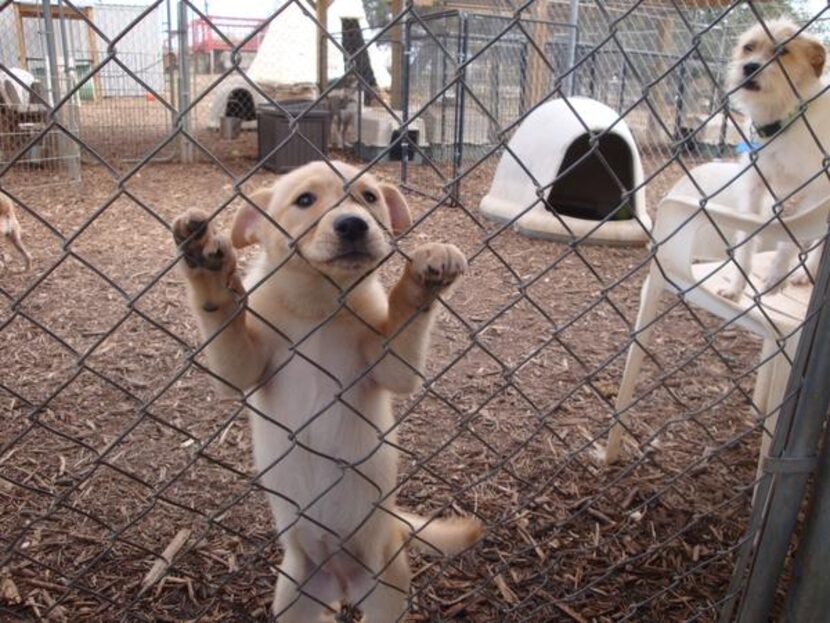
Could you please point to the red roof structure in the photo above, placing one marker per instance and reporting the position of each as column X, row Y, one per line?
column 236, row 29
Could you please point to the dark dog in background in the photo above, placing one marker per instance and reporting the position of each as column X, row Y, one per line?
column 343, row 109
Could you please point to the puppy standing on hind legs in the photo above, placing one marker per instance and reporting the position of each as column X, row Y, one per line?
column 323, row 347
column 771, row 78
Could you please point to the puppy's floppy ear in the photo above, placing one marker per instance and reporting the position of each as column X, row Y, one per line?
column 247, row 219
column 816, row 54
column 399, row 214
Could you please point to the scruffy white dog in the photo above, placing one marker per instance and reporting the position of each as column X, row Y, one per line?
column 771, row 79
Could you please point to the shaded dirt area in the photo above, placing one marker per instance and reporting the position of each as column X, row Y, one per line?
column 112, row 442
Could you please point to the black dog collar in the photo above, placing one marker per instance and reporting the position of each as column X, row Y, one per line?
column 771, row 129
column 766, row 131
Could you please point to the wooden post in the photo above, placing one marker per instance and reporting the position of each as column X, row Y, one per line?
column 537, row 69
column 396, row 96
column 660, row 93
column 96, row 58
column 322, row 45
column 21, row 37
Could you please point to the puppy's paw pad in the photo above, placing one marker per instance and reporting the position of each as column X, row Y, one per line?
column 193, row 223
column 438, row 265
column 201, row 246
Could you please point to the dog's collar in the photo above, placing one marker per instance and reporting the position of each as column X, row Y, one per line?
column 771, row 129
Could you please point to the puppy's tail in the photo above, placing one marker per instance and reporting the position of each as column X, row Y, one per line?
column 440, row 536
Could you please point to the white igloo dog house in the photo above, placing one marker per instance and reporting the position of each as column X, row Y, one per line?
column 548, row 152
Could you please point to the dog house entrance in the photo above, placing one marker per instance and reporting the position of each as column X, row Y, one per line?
column 589, row 190
column 396, row 153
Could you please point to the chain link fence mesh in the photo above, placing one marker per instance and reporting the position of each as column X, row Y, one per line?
column 118, row 452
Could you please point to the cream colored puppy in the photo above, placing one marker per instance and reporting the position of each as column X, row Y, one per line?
column 770, row 90
column 321, row 347
column 10, row 228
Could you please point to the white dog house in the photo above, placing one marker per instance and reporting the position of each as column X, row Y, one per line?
column 285, row 66
column 546, row 163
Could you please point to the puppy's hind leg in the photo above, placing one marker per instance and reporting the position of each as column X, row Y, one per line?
column 387, row 603
column 295, row 598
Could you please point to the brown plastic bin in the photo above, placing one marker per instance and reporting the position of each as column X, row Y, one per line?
column 311, row 142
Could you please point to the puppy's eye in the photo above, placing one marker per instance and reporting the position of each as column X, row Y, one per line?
column 305, row 200
column 784, row 51
column 749, row 47
column 369, row 196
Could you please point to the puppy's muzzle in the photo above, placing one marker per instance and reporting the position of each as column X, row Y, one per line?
column 351, row 229
column 750, row 68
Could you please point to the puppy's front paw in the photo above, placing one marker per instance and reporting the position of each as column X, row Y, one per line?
column 436, row 266
column 201, row 246
column 209, row 257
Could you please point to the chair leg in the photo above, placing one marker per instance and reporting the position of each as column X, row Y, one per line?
column 760, row 393
column 649, row 306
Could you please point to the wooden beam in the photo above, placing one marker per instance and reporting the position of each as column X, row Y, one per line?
column 396, row 96
column 21, row 38
column 36, row 11
column 93, row 51
column 322, row 9
column 538, row 72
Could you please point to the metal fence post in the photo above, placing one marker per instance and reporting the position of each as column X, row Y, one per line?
column 622, row 86
column 458, row 147
column 64, row 144
column 405, row 77
column 523, row 106
column 680, row 97
column 72, row 151
column 808, row 600
column 185, row 146
column 791, row 460
column 573, row 20
column 168, row 64
column 51, row 53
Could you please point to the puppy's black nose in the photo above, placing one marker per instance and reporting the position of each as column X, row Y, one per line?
column 351, row 228
column 751, row 68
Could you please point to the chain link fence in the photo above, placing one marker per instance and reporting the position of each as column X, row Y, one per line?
column 126, row 478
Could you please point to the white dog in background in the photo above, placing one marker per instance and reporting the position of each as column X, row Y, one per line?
column 771, row 79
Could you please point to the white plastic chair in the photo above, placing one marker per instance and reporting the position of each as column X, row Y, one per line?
column 690, row 259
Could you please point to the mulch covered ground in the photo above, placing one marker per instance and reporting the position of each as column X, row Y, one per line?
column 112, row 444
